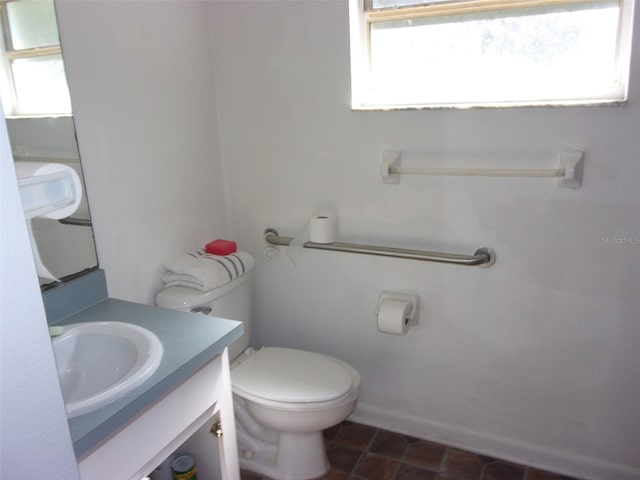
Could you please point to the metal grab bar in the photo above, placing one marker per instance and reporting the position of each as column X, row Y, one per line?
column 483, row 257
column 75, row 221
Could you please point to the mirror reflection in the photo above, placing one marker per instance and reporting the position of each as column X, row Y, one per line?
column 36, row 102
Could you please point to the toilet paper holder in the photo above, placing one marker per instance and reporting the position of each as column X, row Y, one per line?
column 412, row 317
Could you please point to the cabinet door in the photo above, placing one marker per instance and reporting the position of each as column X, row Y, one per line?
column 213, row 446
column 145, row 442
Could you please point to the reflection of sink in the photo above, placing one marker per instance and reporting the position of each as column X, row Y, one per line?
column 99, row 362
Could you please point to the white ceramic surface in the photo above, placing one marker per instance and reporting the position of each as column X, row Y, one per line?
column 99, row 362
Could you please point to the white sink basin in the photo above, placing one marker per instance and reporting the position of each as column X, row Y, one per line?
column 100, row 362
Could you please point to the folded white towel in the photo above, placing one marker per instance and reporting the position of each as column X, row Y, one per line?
column 203, row 271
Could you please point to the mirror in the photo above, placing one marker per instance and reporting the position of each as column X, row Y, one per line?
column 36, row 102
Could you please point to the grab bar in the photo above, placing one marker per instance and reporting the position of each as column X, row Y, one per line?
column 75, row 221
column 483, row 257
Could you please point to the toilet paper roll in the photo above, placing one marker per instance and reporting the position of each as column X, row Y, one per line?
column 323, row 229
column 393, row 317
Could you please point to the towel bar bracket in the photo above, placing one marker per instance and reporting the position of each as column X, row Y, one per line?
column 483, row 257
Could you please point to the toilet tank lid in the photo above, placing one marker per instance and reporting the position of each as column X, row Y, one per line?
column 185, row 298
column 291, row 376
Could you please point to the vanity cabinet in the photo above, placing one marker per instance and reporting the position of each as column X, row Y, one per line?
column 189, row 391
column 135, row 450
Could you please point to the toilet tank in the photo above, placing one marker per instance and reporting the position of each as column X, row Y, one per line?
column 231, row 300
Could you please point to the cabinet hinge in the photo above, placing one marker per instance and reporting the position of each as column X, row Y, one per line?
column 216, row 429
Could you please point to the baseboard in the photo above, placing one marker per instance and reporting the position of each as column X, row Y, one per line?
column 503, row 448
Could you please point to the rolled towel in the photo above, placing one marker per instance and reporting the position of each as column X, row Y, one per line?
column 203, row 271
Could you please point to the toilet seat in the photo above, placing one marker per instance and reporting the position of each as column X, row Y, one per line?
column 284, row 375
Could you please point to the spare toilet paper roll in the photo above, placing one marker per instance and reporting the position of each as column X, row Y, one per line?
column 393, row 317
column 323, row 229
column 67, row 189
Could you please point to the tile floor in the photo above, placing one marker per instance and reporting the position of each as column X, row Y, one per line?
column 360, row 452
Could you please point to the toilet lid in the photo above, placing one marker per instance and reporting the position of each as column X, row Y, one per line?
column 292, row 376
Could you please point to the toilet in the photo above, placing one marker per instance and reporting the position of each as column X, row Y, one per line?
column 283, row 398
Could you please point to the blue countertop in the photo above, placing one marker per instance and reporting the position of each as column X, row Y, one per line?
column 190, row 341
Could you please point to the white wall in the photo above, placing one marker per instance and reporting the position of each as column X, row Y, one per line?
column 143, row 98
column 140, row 76
column 34, row 436
column 534, row 359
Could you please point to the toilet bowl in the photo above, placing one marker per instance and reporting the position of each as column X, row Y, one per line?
column 283, row 397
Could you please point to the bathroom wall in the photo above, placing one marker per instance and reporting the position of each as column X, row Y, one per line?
column 140, row 76
column 534, row 359
column 34, row 435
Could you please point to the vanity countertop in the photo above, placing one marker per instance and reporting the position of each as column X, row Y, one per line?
column 189, row 342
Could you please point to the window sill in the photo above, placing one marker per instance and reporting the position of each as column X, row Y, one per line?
column 485, row 106
column 38, row 115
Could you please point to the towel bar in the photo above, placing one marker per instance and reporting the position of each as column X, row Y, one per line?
column 568, row 173
column 483, row 257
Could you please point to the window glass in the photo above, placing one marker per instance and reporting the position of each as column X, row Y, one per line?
column 32, row 24
column 32, row 77
column 544, row 56
column 484, row 53
column 41, row 85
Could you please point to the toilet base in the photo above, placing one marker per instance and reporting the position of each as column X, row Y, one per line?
column 297, row 456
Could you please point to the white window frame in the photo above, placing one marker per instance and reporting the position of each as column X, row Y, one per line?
column 360, row 20
column 7, row 55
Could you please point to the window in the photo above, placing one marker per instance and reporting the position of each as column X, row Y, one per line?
column 33, row 81
column 489, row 53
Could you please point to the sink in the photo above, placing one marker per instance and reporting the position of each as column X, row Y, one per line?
column 100, row 362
